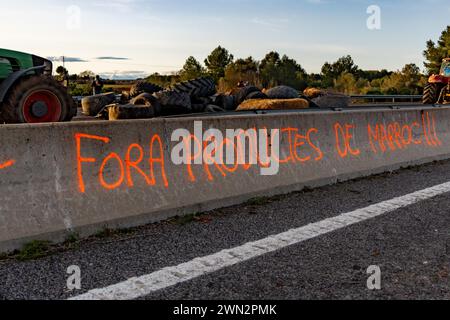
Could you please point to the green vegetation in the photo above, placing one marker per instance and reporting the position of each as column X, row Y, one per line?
column 342, row 75
column 435, row 52
column 34, row 250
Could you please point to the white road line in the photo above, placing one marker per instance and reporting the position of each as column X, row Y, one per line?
column 142, row 286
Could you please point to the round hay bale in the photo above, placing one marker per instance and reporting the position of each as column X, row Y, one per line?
column 313, row 93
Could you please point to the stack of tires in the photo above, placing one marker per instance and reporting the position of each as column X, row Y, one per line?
column 147, row 100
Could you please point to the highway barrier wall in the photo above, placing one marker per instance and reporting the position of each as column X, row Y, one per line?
column 83, row 177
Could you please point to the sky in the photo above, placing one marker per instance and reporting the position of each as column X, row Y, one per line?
column 133, row 38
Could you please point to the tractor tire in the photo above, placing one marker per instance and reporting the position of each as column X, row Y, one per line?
column 143, row 87
column 256, row 95
column 93, row 105
column 197, row 88
column 282, row 92
column 242, row 94
column 173, row 102
column 38, row 99
column 214, row 109
column 145, row 99
column 130, row 111
column 431, row 93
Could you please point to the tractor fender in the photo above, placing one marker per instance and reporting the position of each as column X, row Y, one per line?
column 436, row 78
column 13, row 78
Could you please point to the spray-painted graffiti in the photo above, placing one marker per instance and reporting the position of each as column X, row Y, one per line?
column 126, row 165
column 148, row 162
column 7, row 164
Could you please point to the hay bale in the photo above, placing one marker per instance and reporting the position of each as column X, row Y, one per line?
column 273, row 104
column 130, row 111
column 313, row 93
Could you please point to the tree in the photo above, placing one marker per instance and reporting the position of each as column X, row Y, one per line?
column 86, row 75
column 61, row 71
column 269, row 69
column 240, row 70
column 192, row 69
column 282, row 71
column 435, row 52
column 331, row 72
column 217, row 61
column 407, row 81
column 348, row 83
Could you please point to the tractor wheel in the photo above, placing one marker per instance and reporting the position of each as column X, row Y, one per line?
column 143, row 87
column 145, row 99
column 38, row 99
column 431, row 93
column 244, row 92
column 197, row 88
column 94, row 105
column 174, row 103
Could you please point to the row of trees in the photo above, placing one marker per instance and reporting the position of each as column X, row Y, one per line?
column 342, row 75
column 274, row 69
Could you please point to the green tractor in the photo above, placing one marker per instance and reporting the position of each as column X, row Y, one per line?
column 28, row 92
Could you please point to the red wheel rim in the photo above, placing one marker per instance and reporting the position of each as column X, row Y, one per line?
column 42, row 106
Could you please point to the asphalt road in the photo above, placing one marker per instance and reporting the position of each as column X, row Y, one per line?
column 411, row 246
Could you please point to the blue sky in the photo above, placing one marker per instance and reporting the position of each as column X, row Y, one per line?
column 157, row 36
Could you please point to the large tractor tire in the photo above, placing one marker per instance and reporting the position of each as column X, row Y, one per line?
column 38, row 99
column 93, row 105
column 243, row 93
column 282, row 92
column 197, row 88
column 145, row 99
column 173, row 102
column 143, row 87
column 431, row 93
column 130, row 111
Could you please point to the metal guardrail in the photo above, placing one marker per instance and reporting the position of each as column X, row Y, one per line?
column 387, row 98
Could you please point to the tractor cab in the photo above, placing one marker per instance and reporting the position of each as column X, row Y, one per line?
column 445, row 69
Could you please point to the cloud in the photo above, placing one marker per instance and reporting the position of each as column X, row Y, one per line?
column 124, row 75
column 111, row 58
column 66, row 59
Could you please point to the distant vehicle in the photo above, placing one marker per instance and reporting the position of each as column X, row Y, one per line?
column 438, row 88
column 28, row 92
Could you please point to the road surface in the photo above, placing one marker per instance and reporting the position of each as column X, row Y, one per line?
column 410, row 244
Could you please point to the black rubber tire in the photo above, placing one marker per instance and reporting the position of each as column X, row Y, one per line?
column 143, row 87
column 282, row 92
column 145, row 99
column 242, row 94
column 227, row 102
column 213, row 109
column 197, row 88
column 11, row 110
column 93, row 105
column 431, row 93
column 198, row 108
column 173, row 102
column 256, row 95
column 130, row 111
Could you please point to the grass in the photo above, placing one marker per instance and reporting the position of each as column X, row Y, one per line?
column 34, row 250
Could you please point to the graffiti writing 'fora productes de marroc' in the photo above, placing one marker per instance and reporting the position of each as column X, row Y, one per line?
column 148, row 162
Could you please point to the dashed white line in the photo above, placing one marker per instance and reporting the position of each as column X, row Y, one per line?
column 142, row 286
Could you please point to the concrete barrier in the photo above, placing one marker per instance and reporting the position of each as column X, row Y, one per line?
column 82, row 177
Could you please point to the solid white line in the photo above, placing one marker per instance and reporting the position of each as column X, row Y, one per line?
column 142, row 286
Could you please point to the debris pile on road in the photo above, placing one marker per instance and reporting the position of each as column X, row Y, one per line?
column 146, row 100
